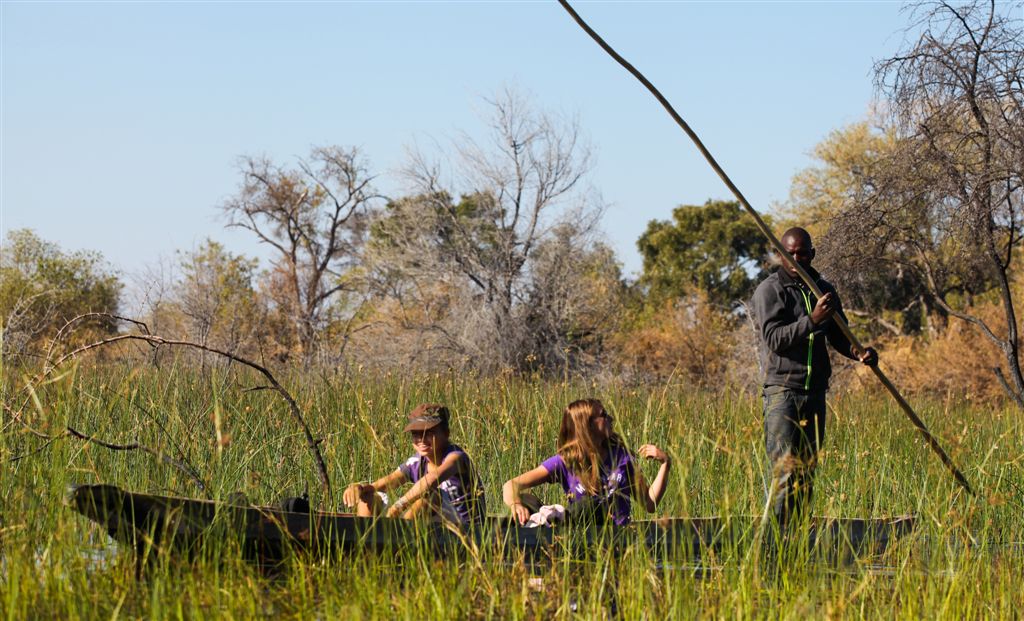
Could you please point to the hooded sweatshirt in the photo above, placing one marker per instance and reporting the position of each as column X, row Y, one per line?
column 793, row 352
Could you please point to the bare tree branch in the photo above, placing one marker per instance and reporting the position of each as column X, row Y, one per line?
column 1016, row 396
column 314, row 218
column 155, row 340
column 471, row 246
column 181, row 466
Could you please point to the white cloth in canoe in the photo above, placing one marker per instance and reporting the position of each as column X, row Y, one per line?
column 548, row 515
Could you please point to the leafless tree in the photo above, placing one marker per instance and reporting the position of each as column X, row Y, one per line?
column 947, row 202
column 27, row 319
column 314, row 217
column 216, row 296
column 455, row 258
column 574, row 300
column 152, row 298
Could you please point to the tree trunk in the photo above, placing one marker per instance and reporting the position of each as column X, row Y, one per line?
column 936, row 318
column 1010, row 347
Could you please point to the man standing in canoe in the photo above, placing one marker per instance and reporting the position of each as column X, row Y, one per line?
column 793, row 327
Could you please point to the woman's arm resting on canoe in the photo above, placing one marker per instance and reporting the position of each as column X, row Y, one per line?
column 510, row 491
column 450, row 464
column 651, row 496
column 365, row 491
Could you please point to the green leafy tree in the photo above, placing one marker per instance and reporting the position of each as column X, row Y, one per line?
column 712, row 248
column 42, row 288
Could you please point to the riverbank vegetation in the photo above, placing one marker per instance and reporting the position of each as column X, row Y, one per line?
column 963, row 559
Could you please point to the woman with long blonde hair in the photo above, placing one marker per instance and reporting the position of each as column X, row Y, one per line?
column 592, row 463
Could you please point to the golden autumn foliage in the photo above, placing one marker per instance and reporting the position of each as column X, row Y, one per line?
column 958, row 364
column 687, row 338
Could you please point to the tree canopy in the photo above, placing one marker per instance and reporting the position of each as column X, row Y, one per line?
column 42, row 287
column 314, row 217
column 881, row 286
column 940, row 204
column 714, row 248
column 475, row 278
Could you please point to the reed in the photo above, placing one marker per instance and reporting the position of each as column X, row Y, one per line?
column 54, row 563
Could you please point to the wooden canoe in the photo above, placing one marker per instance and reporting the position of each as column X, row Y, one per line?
column 269, row 534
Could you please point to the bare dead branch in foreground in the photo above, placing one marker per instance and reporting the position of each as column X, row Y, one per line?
column 182, row 467
column 311, row 443
column 16, row 418
column 42, row 448
column 95, row 315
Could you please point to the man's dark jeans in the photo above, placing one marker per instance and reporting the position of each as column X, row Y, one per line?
column 794, row 429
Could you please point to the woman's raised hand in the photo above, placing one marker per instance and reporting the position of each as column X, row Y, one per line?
column 652, row 452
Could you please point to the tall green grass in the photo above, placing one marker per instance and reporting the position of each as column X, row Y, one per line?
column 55, row 563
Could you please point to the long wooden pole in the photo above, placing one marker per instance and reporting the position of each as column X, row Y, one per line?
column 854, row 342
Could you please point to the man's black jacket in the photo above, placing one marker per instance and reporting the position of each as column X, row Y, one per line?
column 793, row 352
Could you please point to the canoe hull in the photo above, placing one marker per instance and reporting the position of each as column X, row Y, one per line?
column 269, row 535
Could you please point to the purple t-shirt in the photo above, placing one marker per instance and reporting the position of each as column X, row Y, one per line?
column 616, row 482
column 461, row 493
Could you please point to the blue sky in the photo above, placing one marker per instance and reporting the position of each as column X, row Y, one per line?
column 122, row 122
